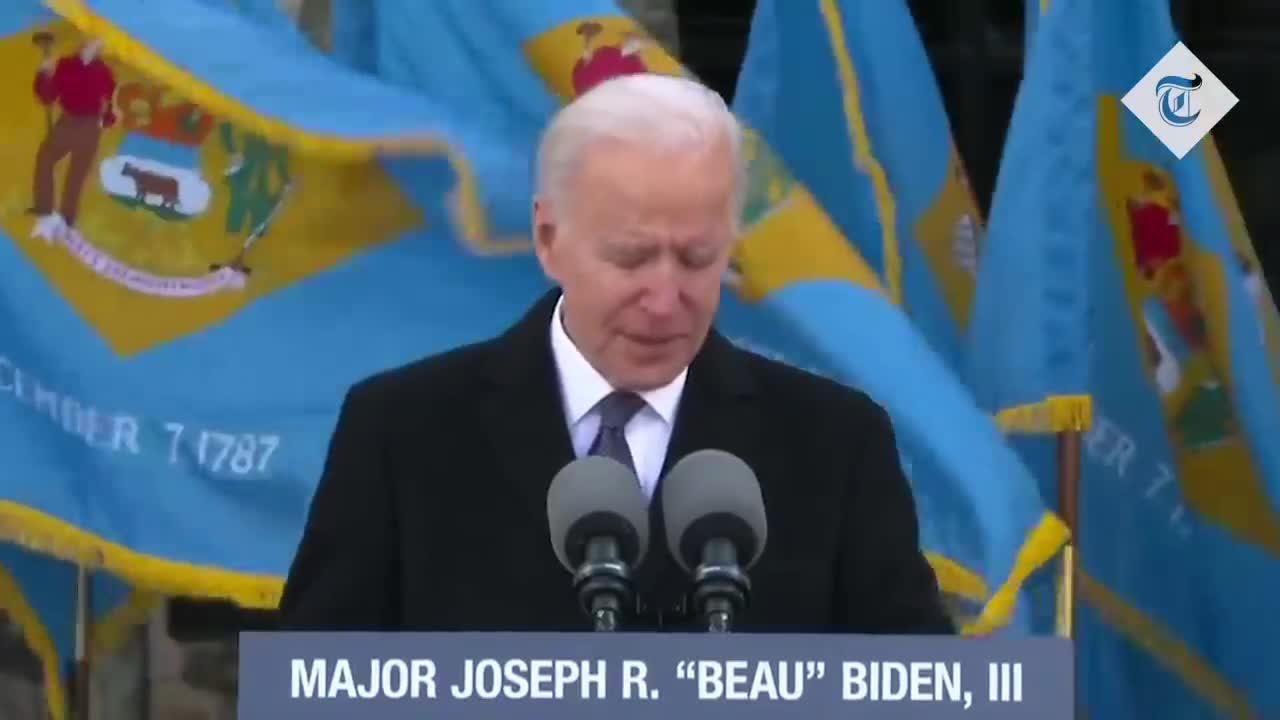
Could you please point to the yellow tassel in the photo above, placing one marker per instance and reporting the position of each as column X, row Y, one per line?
column 1054, row 414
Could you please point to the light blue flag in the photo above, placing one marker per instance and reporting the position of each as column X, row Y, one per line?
column 844, row 93
column 101, row 390
column 241, row 258
column 203, row 268
column 1114, row 269
column 39, row 595
column 293, row 20
column 271, row 14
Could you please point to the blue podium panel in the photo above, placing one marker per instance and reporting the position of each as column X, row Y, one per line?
column 624, row 676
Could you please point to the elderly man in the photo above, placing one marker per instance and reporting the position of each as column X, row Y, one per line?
column 431, row 511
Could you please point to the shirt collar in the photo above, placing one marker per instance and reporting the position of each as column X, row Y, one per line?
column 582, row 386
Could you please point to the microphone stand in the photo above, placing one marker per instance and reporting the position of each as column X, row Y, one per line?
column 603, row 583
column 721, row 588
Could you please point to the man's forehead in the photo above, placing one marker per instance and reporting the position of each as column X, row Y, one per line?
column 679, row 239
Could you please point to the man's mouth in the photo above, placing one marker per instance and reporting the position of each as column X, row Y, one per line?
column 653, row 341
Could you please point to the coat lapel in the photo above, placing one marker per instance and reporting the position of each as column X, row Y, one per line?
column 528, row 433
column 716, row 410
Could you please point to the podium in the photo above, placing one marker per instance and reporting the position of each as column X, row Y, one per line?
column 626, row 676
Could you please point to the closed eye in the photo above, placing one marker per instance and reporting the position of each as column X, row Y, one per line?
column 698, row 258
column 632, row 256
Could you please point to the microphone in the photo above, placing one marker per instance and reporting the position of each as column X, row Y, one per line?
column 716, row 530
column 599, row 522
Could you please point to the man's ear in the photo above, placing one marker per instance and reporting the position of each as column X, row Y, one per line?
column 544, row 236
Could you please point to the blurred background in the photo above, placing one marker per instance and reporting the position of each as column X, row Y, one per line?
column 180, row 665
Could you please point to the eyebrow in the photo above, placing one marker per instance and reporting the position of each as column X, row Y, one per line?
column 704, row 237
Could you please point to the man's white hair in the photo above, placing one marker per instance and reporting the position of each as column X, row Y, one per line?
column 664, row 112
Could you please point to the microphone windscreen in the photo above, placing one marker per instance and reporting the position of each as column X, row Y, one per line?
column 597, row 497
column 713, row 494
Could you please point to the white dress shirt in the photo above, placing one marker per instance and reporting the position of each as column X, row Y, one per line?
column 582, row 388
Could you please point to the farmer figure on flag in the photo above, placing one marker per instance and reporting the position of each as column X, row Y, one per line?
column 82, row 85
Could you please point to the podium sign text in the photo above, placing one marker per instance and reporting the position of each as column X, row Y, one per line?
column 620, row 676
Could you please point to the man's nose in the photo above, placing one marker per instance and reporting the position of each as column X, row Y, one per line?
column 662, row 298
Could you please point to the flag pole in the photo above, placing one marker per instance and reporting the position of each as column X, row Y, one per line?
column 1068, row 504
column 80, row 701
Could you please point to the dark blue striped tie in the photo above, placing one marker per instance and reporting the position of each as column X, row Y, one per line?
column 616, row 410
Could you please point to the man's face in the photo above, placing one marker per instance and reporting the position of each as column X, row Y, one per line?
column 91, row 49
column 639, row 253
